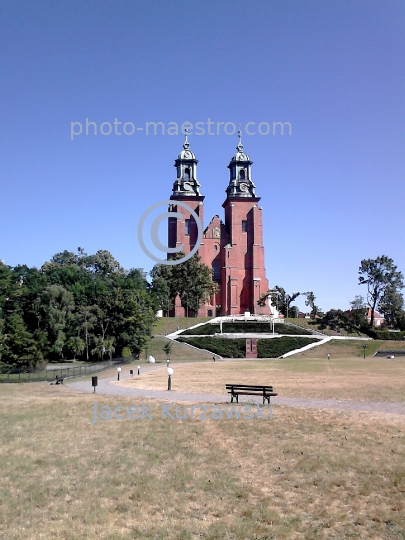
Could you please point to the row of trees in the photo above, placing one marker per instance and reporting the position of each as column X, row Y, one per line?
column 384, row 283
column 282, row 301
column 75, row 306
column 88, row 306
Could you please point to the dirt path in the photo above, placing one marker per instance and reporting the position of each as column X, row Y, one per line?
column 110, row 386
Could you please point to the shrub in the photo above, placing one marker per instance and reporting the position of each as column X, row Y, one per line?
column 236, row 348
column 229, row 348
column 382, row 334
column 245, row 327
column 273, row 348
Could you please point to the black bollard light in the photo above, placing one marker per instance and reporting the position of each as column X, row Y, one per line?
column 94, row 382
column 131, row 372
column 364, row 350
column 118, row 372
column 169, row 381
column 139, row 370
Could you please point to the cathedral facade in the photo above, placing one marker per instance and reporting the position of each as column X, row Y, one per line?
column 232, row 248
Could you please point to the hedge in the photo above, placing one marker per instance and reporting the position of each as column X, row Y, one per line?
column 236, row 348
column 245, row 327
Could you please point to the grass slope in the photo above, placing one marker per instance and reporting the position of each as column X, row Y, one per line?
column 167, row 325
column 180, row 352
column 316, row 325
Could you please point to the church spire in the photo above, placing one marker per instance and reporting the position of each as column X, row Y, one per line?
column 240, row 178
column 186, row 144
column 240, row 145
column 186, row 183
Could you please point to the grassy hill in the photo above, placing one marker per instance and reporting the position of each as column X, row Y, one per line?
column 180, row 352
column 167, row 325
column 235, row 348
column 245, row 327
column 325, row 329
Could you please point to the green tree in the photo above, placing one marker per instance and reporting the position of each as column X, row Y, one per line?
column 358, row 303
column 86, row 320
column 310, row 301
column 77, row 303
column 191, row 280
column 168, row 348
column 391, row 305
column 379, row 275
column 19, row 349
column 58, row 304
column 281, row 300
column 76, row 346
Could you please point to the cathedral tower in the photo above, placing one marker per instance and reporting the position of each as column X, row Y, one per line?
column 186, row 188
column 243, row 272
column 233, row 248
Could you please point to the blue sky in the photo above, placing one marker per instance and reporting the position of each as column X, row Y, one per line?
column 332, row 192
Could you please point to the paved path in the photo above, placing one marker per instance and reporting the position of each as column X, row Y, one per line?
column 109, row 386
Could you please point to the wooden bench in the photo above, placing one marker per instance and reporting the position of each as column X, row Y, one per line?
column 58, row 380
column 250, row 390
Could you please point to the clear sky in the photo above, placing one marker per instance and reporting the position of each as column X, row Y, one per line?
column 332, row 192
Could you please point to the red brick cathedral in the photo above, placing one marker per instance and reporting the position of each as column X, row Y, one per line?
column 232, row 248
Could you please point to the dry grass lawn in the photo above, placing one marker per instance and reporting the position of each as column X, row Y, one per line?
column 373, row 379
column 306, row 474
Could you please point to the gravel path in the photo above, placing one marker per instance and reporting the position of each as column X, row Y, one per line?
column 109, row 386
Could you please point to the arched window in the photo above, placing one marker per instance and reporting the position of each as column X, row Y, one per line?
column 187, row 174
column 242, row 174
column 217, row 272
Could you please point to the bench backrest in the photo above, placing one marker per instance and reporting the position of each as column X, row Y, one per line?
column 255, row 388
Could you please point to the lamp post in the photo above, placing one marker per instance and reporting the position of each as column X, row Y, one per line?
column 364, row 350
column 139, row 370
column 118, row 373
column 169, row 381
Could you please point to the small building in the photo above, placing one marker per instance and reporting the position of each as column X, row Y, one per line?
column 378, row 318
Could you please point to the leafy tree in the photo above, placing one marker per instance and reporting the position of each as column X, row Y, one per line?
column 58, row 304
column 161, row 291
column 281, row 301
column 379, row 275
column 310, row 301
column 80, row 304
column 76, row 345
column 168, row 348
column 358, row 303
column 18, row 346
column 87, row 320
column 191, row 280
column 391, row 306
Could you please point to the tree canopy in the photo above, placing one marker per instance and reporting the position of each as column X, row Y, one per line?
column 75, row 306
column 383, row 280
column 190, row 280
